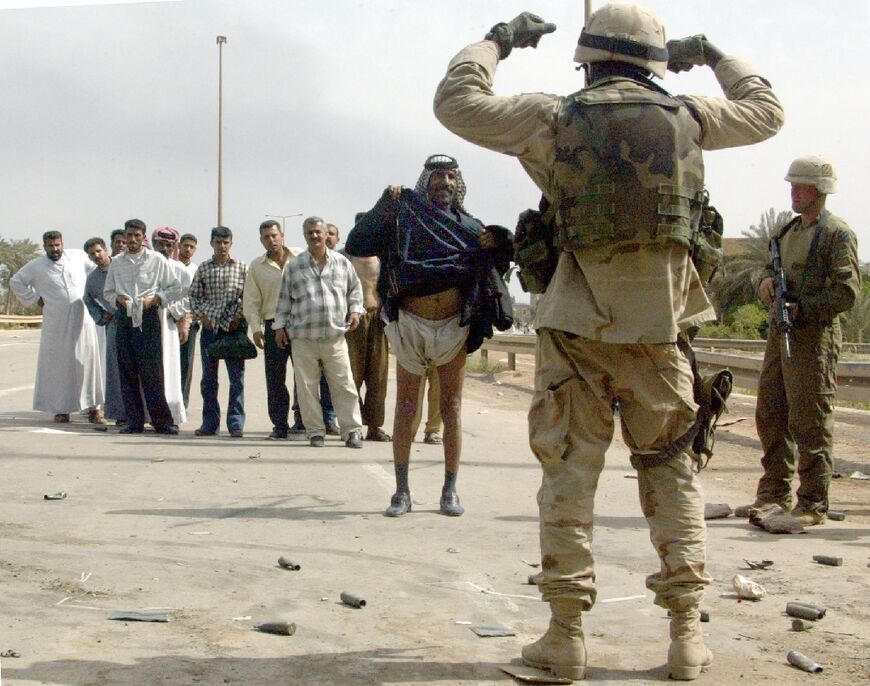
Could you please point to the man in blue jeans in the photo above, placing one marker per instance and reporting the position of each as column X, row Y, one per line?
column 216, row 298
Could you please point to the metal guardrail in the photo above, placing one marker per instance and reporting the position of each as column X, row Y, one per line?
column 20, row 319
column 750, row 345
column 853, row 378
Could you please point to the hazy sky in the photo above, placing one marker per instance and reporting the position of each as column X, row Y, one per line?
column 110, row 112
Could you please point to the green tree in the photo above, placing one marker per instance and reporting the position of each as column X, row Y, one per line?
column 736, row 283
column 14, row 254
column 856, row 322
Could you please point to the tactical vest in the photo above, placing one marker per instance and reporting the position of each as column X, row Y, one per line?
column 628, row 169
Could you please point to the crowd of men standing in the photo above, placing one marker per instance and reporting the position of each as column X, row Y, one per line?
column 121, row 320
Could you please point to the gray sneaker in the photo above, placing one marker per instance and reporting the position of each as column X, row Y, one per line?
column 354, row 440
column 316, row 442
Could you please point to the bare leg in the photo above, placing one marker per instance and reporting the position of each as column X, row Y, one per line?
column 407, row 389
column 451, row 377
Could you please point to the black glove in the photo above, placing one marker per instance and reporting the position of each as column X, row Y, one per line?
column 523, row 31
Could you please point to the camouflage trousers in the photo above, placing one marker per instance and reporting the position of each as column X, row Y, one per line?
column 795, row 409
column 571, row 423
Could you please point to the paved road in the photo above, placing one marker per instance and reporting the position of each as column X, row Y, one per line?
column 195, row 527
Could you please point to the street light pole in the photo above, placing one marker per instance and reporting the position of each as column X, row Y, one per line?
column 220, row 190
column 282, row 217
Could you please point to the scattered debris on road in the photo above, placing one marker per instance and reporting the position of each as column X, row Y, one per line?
column 717, row 511
column 747, row 589
column 801, row 661
column 758, row 564
column 352, row 600
column 836, row 516
column 530, row 675
column 277, row 628
column 804, row 611
column 286, row 563
column 773, row 519
column 829, row 560
column 10, row 653
column 492, row 631
column 801, row 624
column 61, row 495
column 133, row 616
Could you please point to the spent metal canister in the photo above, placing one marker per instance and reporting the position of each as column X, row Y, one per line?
column 829, row 560
column 287, row 563
column 801, row 661
column 352, row 600
column 279, row 628
column 804, row 611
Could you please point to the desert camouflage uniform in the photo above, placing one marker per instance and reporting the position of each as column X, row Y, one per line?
column 609, row 320
column 796, row 394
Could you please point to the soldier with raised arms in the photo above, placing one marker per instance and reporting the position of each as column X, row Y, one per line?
column 620, row 162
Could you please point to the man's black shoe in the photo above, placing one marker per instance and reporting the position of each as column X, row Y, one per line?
column 450, row 504
column 170, row 430
column 202, row 432
column 400, row 504
column 277, row 435
column 131, row 430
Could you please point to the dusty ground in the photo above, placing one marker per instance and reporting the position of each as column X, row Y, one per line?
column 195, row 527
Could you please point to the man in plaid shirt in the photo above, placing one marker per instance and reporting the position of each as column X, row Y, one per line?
column 216, row 298
column 320, row 300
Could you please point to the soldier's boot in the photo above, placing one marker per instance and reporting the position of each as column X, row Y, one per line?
column 561, row 649
column 808, row 516
column 743, row 510
column 687, row 655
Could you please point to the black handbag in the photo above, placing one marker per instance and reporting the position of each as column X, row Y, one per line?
column 232, row 345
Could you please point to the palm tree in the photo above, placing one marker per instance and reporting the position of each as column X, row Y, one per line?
column 14, row 254
column 736, row 283
column 856, row 322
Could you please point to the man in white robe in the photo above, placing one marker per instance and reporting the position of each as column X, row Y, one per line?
column 69, row 372
column 174, row 323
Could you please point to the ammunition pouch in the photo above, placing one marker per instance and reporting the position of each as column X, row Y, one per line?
column 707, row 243
column 535, row 250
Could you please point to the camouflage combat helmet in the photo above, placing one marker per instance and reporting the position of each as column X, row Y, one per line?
column 813, row 170
column 624, row 32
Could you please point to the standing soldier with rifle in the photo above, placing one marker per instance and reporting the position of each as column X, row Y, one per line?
column 819, row 259
column 621, row 164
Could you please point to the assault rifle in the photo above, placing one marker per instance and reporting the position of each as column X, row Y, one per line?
column 784, row 321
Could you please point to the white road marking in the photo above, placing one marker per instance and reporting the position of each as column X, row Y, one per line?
column 380, row 475
column 17, row 389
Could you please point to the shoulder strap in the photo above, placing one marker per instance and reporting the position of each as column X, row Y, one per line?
column 814, row 249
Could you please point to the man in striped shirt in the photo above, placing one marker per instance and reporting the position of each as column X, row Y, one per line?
column 320, row 300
